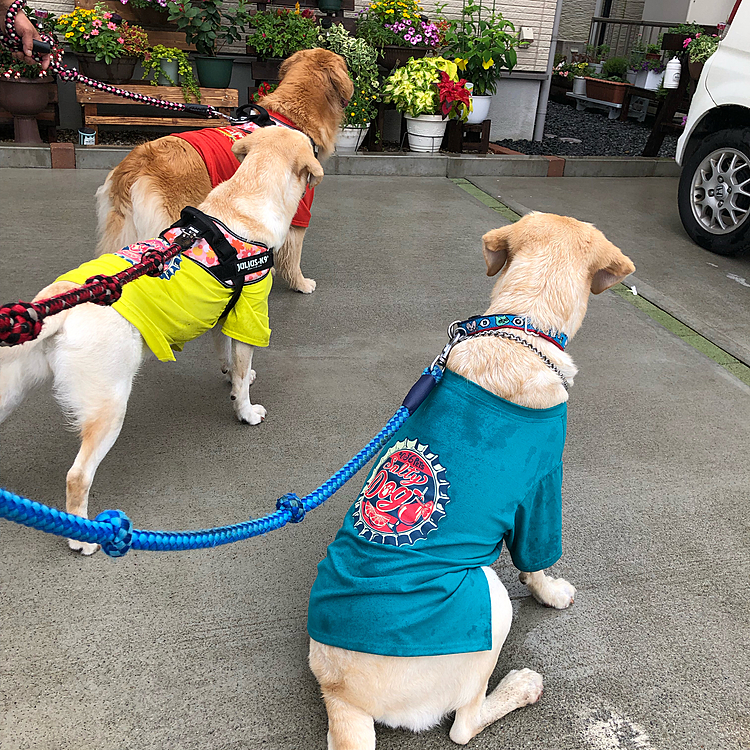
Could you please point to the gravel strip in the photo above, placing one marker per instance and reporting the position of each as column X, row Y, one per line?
column 598, row 135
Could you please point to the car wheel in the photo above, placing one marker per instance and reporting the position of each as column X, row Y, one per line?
column 714, row 192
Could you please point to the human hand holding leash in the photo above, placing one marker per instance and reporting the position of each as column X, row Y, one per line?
column 28, row 33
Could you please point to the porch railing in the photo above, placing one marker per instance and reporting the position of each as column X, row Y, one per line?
column 621, row 35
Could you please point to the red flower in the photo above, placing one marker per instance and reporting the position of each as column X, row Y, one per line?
column 451, row 93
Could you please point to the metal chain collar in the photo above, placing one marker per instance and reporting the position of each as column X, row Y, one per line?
column 457, row 337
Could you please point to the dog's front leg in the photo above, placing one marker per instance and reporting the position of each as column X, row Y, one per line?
column 243, row 376
column 552, row 592
column 287, row 262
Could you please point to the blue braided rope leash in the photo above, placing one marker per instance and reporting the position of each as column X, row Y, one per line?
column 114, row 531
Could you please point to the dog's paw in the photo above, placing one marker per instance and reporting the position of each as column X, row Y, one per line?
column 551, row 592
column 525, row 684
column 306, row 286
column 250, row 413
column 85, row 548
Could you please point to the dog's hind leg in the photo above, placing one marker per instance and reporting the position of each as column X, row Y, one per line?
column 552, row 592
column 94, row 361
column 243, row 376
column 349, row 727
column 517, row 689
column 21, row 369
column 288, row 259
column 223, row 348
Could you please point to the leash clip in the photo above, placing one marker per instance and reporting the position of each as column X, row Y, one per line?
column 455, row 335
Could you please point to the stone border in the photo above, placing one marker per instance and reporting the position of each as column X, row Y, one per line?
column 64, row 155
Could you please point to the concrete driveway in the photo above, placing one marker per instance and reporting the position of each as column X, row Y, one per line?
column 208, row 649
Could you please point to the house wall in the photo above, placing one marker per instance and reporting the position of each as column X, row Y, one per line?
column 673, row 11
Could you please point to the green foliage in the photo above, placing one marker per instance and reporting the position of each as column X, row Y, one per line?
column 615, row 67
column 371, row 30
column 701, row 47
column 688, row 29
column 413, row 87
column 280, row 33
column 206, row 25
column 152, row 68
column 361, row 61
column 596, row 53
column 482, row 46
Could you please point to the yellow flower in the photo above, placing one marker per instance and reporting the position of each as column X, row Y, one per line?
column 69, row 34
column 296, row 8
column 461, row 63
column 487, row 64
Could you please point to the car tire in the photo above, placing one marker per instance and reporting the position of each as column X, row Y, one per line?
column 714, row 192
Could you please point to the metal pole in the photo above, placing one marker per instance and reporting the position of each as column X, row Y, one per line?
column 541, row 108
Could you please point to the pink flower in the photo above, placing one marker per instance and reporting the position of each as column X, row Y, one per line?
column 686, row 42
column 96, row 23
column 120, row 40
column 112, row 26
column 107, row 15
column 95, row 32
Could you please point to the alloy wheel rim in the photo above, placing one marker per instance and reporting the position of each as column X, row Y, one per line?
column 720, row 193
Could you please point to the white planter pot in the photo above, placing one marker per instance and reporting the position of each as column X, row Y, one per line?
column 597, row 67
column 649, row 79
column 481, row 109
column 350, row 138
column 631, row 75
column 579, row 85
column 425, row 133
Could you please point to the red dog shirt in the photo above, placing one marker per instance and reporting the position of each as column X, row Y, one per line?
column 215, row 147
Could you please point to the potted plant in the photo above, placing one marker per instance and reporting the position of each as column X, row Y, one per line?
column 169, row 66
column 107, row 48
column 150, row 12
column 649, row 74
column 596, row 55
column 398, row 29
column 482, row 45
column 361, row 62
column 25, row 89
column 277, row 34
column 427, row 90
column 210, row 27
column 609, row 85
column 699, row 49
column 675, row 36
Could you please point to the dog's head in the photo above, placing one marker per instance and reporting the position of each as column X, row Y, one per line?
column 313, row 91
column 553, row 262
column 276, row 152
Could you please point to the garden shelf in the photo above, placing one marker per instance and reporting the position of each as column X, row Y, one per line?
column 225, row 100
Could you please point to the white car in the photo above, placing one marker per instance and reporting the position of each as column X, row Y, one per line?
column 714, row 150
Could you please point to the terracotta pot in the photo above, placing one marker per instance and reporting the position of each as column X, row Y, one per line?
column 606, row 91
column 695, row 70
column 267, row 70
column 391, row 57
column 24, row 99
column 119, row 70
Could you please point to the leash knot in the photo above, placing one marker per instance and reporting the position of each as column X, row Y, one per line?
column 112, row 289
column 293, row 504
column 19, row 323
column 122, row 532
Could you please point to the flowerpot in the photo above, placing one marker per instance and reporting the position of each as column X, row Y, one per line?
column 653, row 56
column 120, row 70
column 329, row 6
column 391, row 56
column 597, row 67
column 214, row 72
column 24, row 99
column 695, row 68
column 481, row 105
column 267, row 70
column 563, row 82
column 349, row 138
column 649, row 79
column 425, row 133
column 579, row 85
column 172, row 69
column 605, row 91
column 631, row 76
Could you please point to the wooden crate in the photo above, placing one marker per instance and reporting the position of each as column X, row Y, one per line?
column 225, row 100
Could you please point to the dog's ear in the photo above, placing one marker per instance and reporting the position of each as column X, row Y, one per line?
column 617, row 267
column 338, row 78
column 241, row 148
column 495, row 248
column 308, row 167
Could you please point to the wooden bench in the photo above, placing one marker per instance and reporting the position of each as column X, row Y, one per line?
column 584, row 102
column 225, row 100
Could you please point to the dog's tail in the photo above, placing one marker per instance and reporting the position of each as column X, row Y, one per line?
column 26, row 366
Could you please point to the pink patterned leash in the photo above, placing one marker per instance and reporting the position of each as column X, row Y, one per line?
column 12, row 40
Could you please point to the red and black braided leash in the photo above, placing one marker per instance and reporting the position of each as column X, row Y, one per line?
column 22, row 321
column 12, row 40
